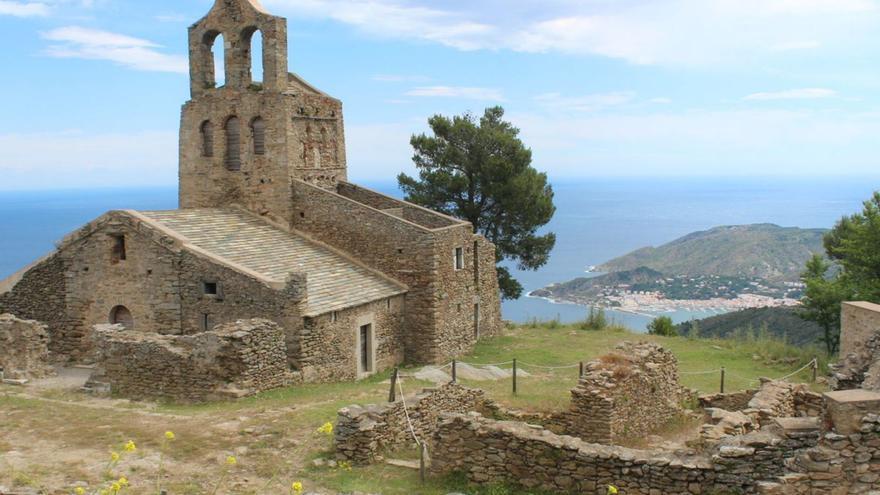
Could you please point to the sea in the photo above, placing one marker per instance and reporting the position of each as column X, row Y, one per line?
column 596, row 220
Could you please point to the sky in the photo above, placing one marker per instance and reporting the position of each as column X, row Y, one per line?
column 91, row 89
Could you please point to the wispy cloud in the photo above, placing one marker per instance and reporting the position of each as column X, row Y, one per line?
column 397, row 78
column 135, row 53
column 793, row 94
column 660, row 100
column 470, row 93
column 789, row 46
column 585, row 103
column 171, row 18
column 23, row 9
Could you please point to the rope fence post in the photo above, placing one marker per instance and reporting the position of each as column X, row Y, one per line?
column 422, row 468
column 514, row 376
column 581, row 370
column 454, row 371
column 815, row 369
column 392, row 394
column 723, row 372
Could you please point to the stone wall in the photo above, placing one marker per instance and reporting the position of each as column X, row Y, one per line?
column 628, row 393
column 364, row 432
column 859, row 321
column 24, row 348
column 731, row 401
column 488, row 451
column 233, row 360
column 781, row 399
column 859, row 366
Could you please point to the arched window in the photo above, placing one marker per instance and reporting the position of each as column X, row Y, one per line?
column 120, row 315
column 258, row 131
column 217, row 45
column 207, row 132
column 233, row 144
column 253, row 39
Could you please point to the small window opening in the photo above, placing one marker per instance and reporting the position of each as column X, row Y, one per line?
column 233, row 144
column 258, row 131
column 476, row 263
column 206, row 322
column 209, row 288
column 459, row 258
column 388, row 303
column 119, row 253
column 120, row 315
column 477, row 321
column 458, row 307
column 334, row 317
column 207, row 133
column 302, row 214
column 366, row 359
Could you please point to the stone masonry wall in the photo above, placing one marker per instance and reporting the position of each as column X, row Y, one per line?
column 859, row 365
column 233, row 360
column 731, row 401
column 628, row 393
column 362, row 433
column 859, row 321
column 24, row 348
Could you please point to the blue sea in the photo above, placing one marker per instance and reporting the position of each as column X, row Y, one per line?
column 596, row 220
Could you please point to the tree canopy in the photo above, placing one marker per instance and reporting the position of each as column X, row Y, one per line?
column 480, row 171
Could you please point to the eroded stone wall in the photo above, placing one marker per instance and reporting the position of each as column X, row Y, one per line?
column 859, row 365
column 234, row 360
column 628, row 393
column 363, row 432
column 24, row 348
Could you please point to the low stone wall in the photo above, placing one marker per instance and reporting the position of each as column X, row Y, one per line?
column 24, row 348
column 859, row 365
column 363, row 432
column 780, row 399
column 490, row 451
column 628, row 393
column 234, row 360
column 733, row 401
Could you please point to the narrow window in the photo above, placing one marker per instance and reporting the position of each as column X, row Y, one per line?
column 477, row 321
column 258, row 131
column 118, row 253
column 205, row 323
column 207, row 133
column 458, row 307
column 334, row 317
column 366, row 334
column 459, row 258
column 476, row 264
column 209, row 288
column 388, row 303
column 233, row 144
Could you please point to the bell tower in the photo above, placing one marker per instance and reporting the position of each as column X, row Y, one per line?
column 244, row 141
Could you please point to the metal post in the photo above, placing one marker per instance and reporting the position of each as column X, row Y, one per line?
column 722, row 379
column 392, row 394
column 422, row 470
column 514, row 376
column 454, row 371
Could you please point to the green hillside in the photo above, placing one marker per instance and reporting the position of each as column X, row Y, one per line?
column 763, row 251
column 782, row 323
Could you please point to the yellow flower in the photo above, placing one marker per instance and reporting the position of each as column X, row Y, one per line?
column 80, row 491
column 612, row 490
column 105, row 492
column 169, row 435
column 114, row 456
column 123, row 481
column 130, row 446
column 231, row 461
column 326, row 429
column 116, row 487
column 297, row 487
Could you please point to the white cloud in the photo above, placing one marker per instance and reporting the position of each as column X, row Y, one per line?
column 74, row 159
column 660, row 100
column 23, row 9
column 135, row 53
column 396, row 78
column 586, row 103
column 657, row 32
column 175, row 18
column 486, row 94
column 793, row 94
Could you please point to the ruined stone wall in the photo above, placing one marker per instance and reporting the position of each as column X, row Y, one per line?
column 628, row 393
column 859, row 321
column 731, row 401
column 489, row 451
column 40, row 295
column 409, row 211
column 24, row 348
column 362, row 433
column 233, row 360
column 329, row 349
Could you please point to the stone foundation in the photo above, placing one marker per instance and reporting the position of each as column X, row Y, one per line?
column 362, row 433
column 234, row 360
column 24, row 348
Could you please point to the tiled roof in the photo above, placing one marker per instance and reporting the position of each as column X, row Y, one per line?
column 334, row 281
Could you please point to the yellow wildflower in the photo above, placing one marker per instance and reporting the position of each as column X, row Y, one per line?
column 116, row 487
column 123, row 481
column 130, row 446
column 231, row 461
column 169, row 435
column 114, row 456
column 297, row 488
column 80, row 491
column 326, row 429
column 612, row 490
column 105, row 492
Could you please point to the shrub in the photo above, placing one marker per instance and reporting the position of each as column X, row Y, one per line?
column 662, row 326
column 596, row 320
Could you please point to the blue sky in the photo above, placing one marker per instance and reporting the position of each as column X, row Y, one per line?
column 92, row 88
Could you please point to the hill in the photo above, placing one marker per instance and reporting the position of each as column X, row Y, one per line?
column 584, row 290
column 764, row 251
column 779, row 322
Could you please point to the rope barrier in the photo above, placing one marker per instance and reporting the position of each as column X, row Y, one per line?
column 566, row 367
column 812, row 363
column 486, row 364
column 406, row 414
column 699, row 372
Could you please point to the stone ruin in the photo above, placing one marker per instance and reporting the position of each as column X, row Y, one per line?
column 24, row 349
column 233, row 360
column 859, row 366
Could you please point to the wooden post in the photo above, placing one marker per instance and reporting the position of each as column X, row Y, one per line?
column 422, row 467
column 815, row 369
column 454, row 371
column 514, row 376
column 392, row 394
column 581, row 372
column 722, row 379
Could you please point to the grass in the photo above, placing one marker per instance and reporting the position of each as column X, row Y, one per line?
column 63, row 437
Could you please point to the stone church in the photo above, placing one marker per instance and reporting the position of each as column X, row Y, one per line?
column 268, row 227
